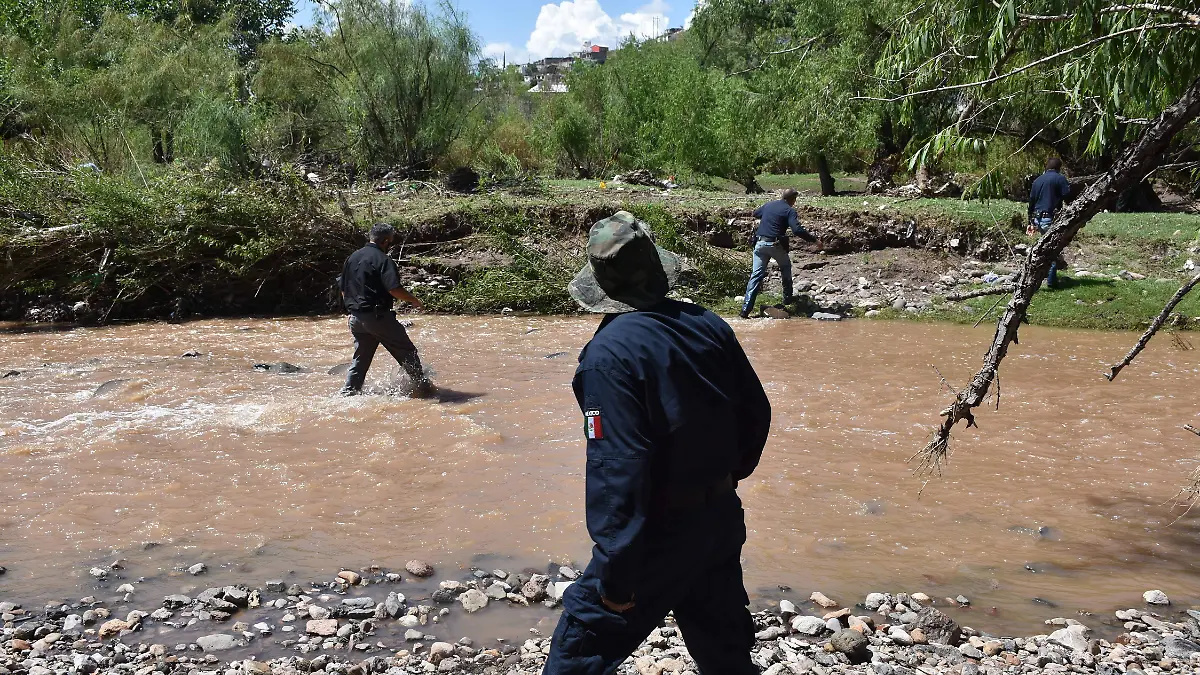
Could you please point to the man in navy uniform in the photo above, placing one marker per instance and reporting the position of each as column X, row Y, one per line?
column 368, row 283
column 674, row 417
column 1045, row 197
column 771, row 243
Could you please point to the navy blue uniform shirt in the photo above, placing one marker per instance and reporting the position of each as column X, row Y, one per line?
column 1048, row 192
column 670, row 403
column 776, row 217
column 367, row 280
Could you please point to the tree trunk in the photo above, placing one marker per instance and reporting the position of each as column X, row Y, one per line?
column 752, row 186
column 156, row 138
column 1129, row 168
column 827, row 188
column 169, row 146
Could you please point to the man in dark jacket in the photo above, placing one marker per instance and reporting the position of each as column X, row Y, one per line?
column 771, row 243
column 368, row 283
column 674, row 417
column 1045, row 197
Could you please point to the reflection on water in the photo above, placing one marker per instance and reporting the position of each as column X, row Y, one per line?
column 111, row 440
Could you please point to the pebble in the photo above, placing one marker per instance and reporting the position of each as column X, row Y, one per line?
column 218, row 642
column 98, row 572
column 808, row 625
column 322, row 627
column 112, row 628
column 197, row 569
column 350, row 577
column 317, row 612
column 900, row 636
column 821, row 599
column 473, row 600
column 1156, row 598
column 419, row 568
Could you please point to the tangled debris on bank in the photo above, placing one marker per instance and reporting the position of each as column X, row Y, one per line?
column 350, row 626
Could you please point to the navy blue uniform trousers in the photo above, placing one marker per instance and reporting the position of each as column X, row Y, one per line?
column 692, row 568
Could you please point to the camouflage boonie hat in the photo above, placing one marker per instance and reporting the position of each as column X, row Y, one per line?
column 625, row 270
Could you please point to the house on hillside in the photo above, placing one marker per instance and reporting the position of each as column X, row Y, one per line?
column 547, row 75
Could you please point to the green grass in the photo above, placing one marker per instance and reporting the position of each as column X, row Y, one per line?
column 1077, row 303
column 810, row 183
column 1165, row 228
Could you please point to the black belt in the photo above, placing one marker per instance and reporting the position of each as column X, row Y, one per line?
column 768, row 240
column 689, row 499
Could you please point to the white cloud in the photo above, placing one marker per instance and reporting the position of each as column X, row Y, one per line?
column 562, row 28
column 505, row 52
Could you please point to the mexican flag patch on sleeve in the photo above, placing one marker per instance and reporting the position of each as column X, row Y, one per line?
column 593, row 425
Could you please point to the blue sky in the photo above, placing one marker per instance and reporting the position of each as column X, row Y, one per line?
column 531, row 29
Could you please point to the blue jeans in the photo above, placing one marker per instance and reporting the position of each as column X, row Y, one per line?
column 1042, row 223
column 764, row 253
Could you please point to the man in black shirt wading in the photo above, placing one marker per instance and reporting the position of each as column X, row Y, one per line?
column 368, row 283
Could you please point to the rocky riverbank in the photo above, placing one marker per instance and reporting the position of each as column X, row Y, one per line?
column 362, row 622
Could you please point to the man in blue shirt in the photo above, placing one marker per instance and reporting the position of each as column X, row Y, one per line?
column 1045, row 197
column 771, row 243
column 674, row 417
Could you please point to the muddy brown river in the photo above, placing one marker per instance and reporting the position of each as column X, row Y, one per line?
column 259, row 474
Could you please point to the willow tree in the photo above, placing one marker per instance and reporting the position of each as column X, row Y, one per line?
column 801, row 61
column 404, row 77
column 1123, row 76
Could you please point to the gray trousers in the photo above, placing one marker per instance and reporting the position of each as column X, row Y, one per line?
column 371, row 330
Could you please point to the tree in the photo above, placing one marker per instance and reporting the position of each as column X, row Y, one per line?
column 405, row 78
column 1128, row 76
column 803, row 61
column 253, row 21
column 1081, row 84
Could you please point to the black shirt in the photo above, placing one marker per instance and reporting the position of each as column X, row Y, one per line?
column 777, row 217
column 1048, row 193
column 367, row 278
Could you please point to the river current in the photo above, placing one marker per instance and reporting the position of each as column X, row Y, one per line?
column 114, row 446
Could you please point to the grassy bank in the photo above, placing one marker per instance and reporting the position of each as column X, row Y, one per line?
column 190, row 241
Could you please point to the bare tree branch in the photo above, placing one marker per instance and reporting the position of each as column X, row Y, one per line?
column 1131, row 165
column 1154, row 326
column 1144, row 6
column 1032, row 64
column 805, row 45
column 1192, row 429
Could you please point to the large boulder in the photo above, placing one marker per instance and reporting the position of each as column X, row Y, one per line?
column 1180, row 648
column 853, row 644
column 808, row 625
column 1073, row 637
column 218, row 642
column 937, row 627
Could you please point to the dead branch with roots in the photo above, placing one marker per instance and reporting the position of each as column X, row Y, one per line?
column 1131, row 166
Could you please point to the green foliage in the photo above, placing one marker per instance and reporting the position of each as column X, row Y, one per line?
column 710, row 273
column 114, row 241
column 534, row 279
column 1076, row 80
column 402, row 78
column 653, row 106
